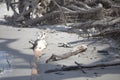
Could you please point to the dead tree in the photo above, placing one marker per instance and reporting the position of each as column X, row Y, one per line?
column 62, row 11
column 93, row 13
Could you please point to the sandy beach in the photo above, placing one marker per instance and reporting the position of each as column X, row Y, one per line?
column 15, row 41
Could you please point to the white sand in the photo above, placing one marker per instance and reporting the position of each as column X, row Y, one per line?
column 15, row 42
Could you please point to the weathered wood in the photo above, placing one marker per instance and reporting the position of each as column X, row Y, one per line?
column 81, row 4
column 8, row 2
column 93, row 13
column 65, row 11
column 63, row 16
column 41, row 19
column 116, row 9
column 39, row 45
column 108, row 33
column 98, row 24
column 70, row 68
column 75, row 8
column 105, row 3
column 75, row 51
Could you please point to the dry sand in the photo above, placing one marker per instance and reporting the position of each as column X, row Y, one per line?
column 15, row 42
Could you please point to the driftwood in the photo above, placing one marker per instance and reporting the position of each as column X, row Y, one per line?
column 28, row 8
column 62, row 13
column 81, row 67
column 75, row 51
column 112, row 33
column 81, row 4
column 65, row 11
column 42, row 19
column 38, row 46
column 94, row 13
column 75, row 8
column 106, row 3
column 116, row 9
column 97, row 24
column 9, row 4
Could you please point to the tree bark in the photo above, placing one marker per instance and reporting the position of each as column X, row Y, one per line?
column 93, row 13
column 75, row 51
column 97, row 24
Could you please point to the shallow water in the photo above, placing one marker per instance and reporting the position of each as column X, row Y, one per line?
column 5, row 63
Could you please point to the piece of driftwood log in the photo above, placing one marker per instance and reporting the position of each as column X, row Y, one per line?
column 11, row 4
column 62, row 13
column 79, row 67
column 100, row 25
column 75, row 51
column 75, row 8
column 39, row 45
column 112, row 33
column 69, row 11
column 42, row 19
column 106, row 3
column 92, row 13
column 116, row 9
column 103, row 23
column 81, row 4
column 27, row 8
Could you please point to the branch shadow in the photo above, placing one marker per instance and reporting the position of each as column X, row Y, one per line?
column 15, row 53
column 17, row 78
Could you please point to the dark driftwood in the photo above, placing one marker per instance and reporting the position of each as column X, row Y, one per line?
column 62, row 13
column 79, row 67
column 108, row 33
column 81, row 4
column 42, row 19
column 82, row 9
column 98, row 24
column 75, row 8
column 75, row 51
column 106, row 3
column 116, row 9
column 93, row 13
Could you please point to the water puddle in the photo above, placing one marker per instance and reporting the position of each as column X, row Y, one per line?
column 5, row 63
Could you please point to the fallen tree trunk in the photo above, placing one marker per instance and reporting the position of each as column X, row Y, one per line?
column 75, row 8
column 105, row 3
column 65, row 11
column 81, row 4
column 41, row 19
column 109, row 33
column 93, row 13
column 79, row 67
column 62, row 13
column 97, row 24
column 75, row 51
